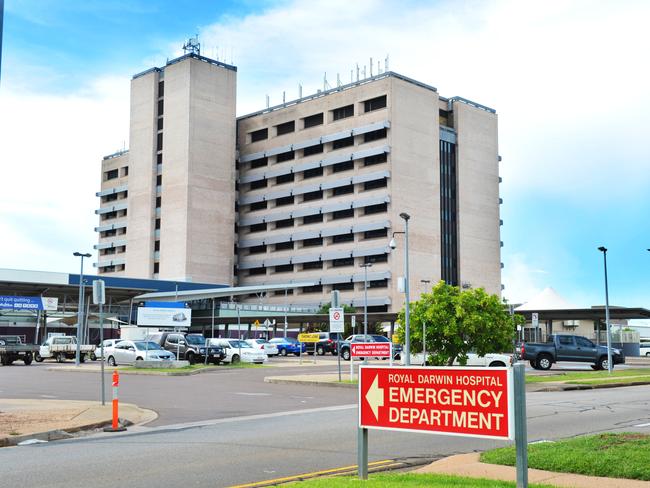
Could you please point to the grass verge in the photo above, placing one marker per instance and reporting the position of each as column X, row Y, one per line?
column 625, row 455
column 409, row 480
column 595, row 376
column 192, row 367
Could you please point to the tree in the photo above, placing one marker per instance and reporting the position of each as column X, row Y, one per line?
column 457, row 322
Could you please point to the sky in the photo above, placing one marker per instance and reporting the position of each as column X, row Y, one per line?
column 569, row 80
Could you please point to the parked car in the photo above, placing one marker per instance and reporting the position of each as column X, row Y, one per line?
column 128, row 352
column 644, row 349
column 62, row 348
column 326, row 344
column 345, row 345
column 109, row 344
column 237, row 351
column 12, row 349
column 490, row 360
column 190, row 347
column 288, row 345
column 263, row 345
column 563, row 347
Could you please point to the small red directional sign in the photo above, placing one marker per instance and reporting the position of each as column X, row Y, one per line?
column 370, row 349
column 475, row 402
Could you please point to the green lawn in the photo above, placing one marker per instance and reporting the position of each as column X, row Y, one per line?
column 409, row 480
column 604, row 376
column 625, row 455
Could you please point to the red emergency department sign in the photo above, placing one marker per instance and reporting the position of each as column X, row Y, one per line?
column 370, row 349
column 475, row 402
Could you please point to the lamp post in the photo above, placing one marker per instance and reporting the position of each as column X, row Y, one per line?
column 80, row 313
column 603, row 249
column 365, row 305
column 407, row 327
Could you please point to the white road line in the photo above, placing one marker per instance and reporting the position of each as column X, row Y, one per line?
column 251, row 394
column 643, row 425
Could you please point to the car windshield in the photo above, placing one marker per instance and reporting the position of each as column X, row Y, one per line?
column 143, row 346
column 238, row 344
column 379, row 338
column 290, row 339
column 198, row 340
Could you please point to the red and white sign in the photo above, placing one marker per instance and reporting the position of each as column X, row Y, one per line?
column 475, row 402
column 370, row 349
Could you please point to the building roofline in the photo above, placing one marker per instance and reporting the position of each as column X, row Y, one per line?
column 451, row 100
column 116, row 154
column 354, row 84
column 182, row 58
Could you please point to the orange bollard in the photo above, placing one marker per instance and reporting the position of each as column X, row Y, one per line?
column 115, row 427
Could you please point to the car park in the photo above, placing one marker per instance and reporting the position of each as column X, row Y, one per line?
column 345, row 345
column 288, row 345
column 237, row 351
column 263, row 345
column 128, row 352
column 109, row 344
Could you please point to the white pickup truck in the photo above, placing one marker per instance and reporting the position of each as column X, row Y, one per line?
column 62, row 348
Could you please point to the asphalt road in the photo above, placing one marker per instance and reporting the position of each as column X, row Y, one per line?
column 253, row 437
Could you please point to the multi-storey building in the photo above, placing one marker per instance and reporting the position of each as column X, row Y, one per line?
column 314, row 192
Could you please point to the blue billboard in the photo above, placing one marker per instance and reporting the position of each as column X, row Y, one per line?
column 28, row 303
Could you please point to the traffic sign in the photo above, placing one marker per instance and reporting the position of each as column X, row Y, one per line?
column 309, row 337
column 370, row 349
column 99, row 292
column 337, row 318
column 535, row 319
column 256, row 323
column 474, row 402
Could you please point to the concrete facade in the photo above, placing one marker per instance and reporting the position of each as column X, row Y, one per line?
column 321, row 183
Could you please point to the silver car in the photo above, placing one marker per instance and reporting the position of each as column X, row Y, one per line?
column 128, row 352
column 109, row 344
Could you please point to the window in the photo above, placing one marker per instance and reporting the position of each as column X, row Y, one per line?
column 342, row 190
column 284, row 201
column 372, row 185
column 283, row 246
column 343, row 112
column 158, row 202
column 312, row 219
column 343, row 286
column 282, row 292
column 377, row 258
column 285, row 128
column 258, row 163
column 343, row 214
column 313, row 120
column 377, row 159
column 110, row 175
column 161, row 89
column 337, row 263
column 344, row 166
column 109, row 198
column 258, row 206
column 156, row 246
column 373, row 234
column 348, row 141
column 159, row 142
column 257, row 271
column 158, row 158
column 378, row 283
column 343, row 238
column 156, row 268
column 443, row 117
column 312, row 289
column 125, row 171
column 313, row 173
column 285, row 156
column 582, row 342
column 374, row 209
column 313, row 265
column 285, row 268
column 312, row 195
column 566, row 340
column 258, row 227
column 160, row 123
column 374, row 135
column 315, row 241
column 161, row 108
column 158, row 180
column 259, row 184
column 284, row 223
column 374, row 104
column 308, row 151
column 285, row 179
column 259, row 135
column 257, row 249
column 157, row 224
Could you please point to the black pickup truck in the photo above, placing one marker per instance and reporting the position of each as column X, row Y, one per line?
column 190, row 347
column 561, row 347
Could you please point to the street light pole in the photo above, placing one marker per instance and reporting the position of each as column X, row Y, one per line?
column 603, row 249
column 80, row 312
column 365, row 305
column 407, row 330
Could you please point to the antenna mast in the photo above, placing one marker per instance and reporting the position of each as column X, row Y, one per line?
column 192, row 46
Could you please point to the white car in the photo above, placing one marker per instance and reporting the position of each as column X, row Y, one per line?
column 109, row 344
column 237, row 351
column 128, row 352
column 644, row 349
column 491, row 360
column 262, row 345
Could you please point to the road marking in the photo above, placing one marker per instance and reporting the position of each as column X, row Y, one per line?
column 643, row 425
column 313, row 474
column 251, row 394
column 48, row 396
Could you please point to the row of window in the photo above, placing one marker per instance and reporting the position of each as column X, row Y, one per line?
column 113, row 232
column 318, row 119
column 112, row 174
column 114, row 196
column 113, row 215
column 335, row 263
column 111, row 269
column 112, row 250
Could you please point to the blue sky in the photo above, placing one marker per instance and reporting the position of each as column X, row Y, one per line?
column 566, row 78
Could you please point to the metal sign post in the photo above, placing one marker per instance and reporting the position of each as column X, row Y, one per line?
column 521, row 433
column 99, row 298
column 535, row 319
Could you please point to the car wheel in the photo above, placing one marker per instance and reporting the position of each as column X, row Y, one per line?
column 497, row 364
column 27, row 359
column 38, row 358
column 82, row 358
column 283, row 352
column 544, row 362
column 602, row 363
column 320, row 351
column 533, row 364
column 235, row 359
column 138, row 359
column 647, row 354
column 345, row 354
column 60, row 358
column 111, row 361
column 93, row 357
column 4, row 360
column 191, row 358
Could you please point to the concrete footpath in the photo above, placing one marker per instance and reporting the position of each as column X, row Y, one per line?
column 47, row 420
column 470, row 466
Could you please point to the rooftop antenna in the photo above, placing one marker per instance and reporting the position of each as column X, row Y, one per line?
column 284, row 98
column 338, row 81
column 267, row 101
column 299, row 90
column 326, row 85
column 378, row 67
column 386, row 63
column 371, row 66
column 231, row 55
column 357, row 71
column 192, row 46
column 364, row 71
column 351, row 76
